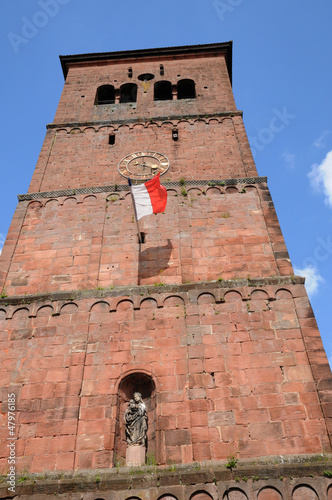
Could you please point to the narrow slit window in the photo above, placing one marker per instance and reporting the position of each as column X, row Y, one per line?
column 111, row 139
column 142, row 237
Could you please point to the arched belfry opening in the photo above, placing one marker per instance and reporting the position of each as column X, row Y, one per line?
column 128, row 386
column 128, row 92
column 186, row 89
column 105, row 95
column 163, row 91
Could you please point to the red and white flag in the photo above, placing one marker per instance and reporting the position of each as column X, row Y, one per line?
column 150, row 197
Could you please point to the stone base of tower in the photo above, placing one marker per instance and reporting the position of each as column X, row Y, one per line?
column 272, row 478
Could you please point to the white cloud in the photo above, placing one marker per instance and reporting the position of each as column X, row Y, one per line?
column 321, row 177
column 312, row 278
column 320, row 141
column 289, row 158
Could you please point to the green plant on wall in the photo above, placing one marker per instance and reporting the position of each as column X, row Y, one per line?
column 150, row 459
column 231, row 462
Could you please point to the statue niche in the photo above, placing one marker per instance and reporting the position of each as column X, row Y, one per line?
column 136, row 420
column 135, row 424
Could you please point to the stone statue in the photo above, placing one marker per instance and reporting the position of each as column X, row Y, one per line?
column 136, row 421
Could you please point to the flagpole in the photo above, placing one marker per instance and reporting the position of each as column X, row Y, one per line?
column 135, row 213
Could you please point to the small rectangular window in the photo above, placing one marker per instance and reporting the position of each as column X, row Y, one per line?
column 141, row 237
column 111, row 139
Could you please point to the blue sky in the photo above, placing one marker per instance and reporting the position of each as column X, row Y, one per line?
column 282, row 80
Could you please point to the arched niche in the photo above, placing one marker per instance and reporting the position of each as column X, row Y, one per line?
column 148, row 303
column 201, row 495
column 90, row 199
column 35, row 204
column 20, row 319
column 269, row 493
column 102, row 306
column 53, row 203
column 70, row 201
column 20, row 313
column 283, row 294
column 135, row 382
column 250, row 189
column 206, row 303
column 329, row 493
column 235, row 494
column 232, row 296
column 259, row 295
column 231, row 190
column 173, row 301
column 69, row 308
column 194, row 191
column 112, row 197
column 206, row 298
column 167, row 497
column 304, row 492
column 213, row 191
column 172, row 192
column 258, row 301
column 45, row 311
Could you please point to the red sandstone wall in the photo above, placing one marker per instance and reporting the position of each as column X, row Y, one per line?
column 213, row 89
column 230, row 368
column 76, row 152
column 90, row 241
column 233, row 370
column 81, row 157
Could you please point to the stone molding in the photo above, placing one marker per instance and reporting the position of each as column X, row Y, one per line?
column 142, row 292
column 124, row 187
column 282, row 474
column 143, row 121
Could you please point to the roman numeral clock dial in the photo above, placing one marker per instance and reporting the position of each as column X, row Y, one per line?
column 143, row 165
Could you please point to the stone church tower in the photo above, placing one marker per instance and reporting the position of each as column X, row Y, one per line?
column 204, row 318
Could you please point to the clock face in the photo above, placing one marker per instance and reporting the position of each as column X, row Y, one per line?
column 143, row 165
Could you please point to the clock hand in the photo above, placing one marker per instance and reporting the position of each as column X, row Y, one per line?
column 145, row 165
column 140, row 164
